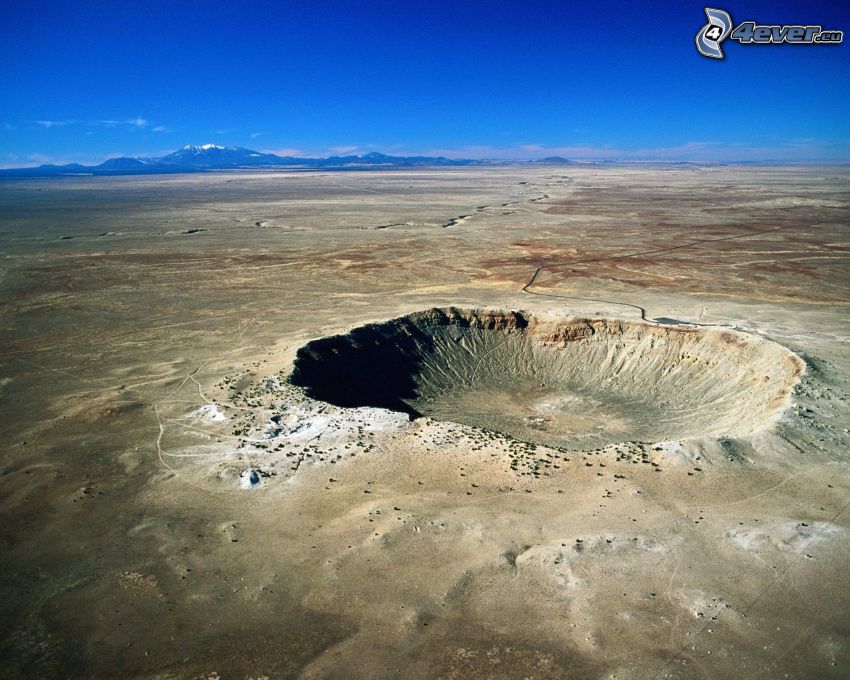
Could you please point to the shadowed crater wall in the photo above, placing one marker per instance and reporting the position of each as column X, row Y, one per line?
column 555, row 380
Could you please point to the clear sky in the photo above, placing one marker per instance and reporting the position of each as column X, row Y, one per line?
column 85, row 80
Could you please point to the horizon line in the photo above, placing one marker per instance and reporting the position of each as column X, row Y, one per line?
column 533, row 153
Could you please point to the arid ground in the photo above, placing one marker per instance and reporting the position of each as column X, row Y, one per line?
column 509, row 422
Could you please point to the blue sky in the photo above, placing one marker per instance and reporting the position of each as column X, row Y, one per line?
column 84, row 80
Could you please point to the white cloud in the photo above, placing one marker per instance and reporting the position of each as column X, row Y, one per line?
column 137, row 122
column 254, row 135
column 284, row 152
column 47, row 124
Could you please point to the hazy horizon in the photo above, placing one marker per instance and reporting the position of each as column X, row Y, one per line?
column 576, row 154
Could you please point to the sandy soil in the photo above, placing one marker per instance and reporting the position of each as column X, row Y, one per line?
column 174, row 508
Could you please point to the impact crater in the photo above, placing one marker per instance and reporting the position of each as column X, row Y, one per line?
column 555, row 380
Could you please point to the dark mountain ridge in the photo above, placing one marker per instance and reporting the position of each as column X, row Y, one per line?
column 210, row 157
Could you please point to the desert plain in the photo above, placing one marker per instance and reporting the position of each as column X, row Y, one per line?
column 584, row 421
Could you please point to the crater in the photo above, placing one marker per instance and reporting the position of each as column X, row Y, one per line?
column 559, row 381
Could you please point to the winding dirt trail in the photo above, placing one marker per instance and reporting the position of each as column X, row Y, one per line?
column 690, row 244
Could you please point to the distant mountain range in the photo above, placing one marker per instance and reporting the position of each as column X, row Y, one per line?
column 212, row 157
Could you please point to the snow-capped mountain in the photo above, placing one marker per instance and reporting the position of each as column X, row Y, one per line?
column 205, row 147
column 214, row 156
column 208, row 157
